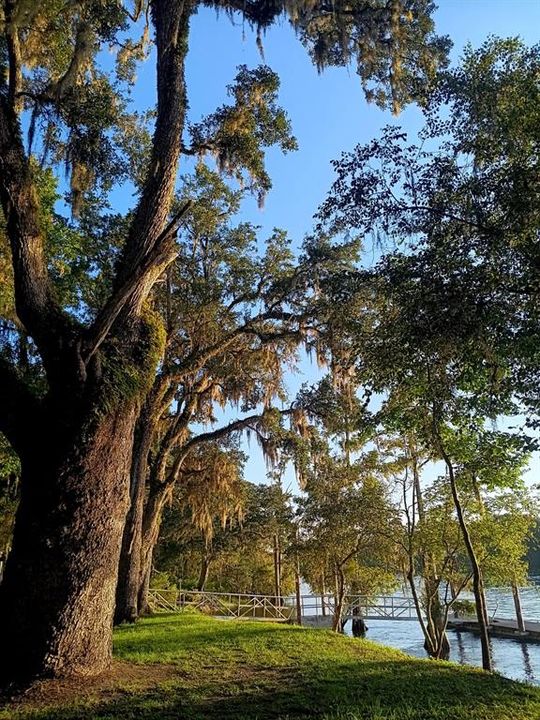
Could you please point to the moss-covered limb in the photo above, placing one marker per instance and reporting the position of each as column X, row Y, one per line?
column 198, row 667
column 128, row 369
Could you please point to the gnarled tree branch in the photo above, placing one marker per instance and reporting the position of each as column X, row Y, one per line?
column 36, row 306
column 14, row 55
column 171, row 20
column 137, row 286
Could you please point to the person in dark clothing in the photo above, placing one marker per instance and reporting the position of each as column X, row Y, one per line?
column 359, row 627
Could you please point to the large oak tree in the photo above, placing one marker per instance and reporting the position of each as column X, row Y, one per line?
column 70, row 415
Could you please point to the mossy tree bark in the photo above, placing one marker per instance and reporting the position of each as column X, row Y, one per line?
column 58, row 589
column 148, row 503
column 75, row 441
column 129, row 569
column 151, row 523
column 127, row 589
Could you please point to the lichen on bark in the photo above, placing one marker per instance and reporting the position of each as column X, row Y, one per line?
column 128, row 369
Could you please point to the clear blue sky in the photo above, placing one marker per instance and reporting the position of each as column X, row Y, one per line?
column 328, row 112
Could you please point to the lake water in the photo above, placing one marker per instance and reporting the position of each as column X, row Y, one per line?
column 512, row 658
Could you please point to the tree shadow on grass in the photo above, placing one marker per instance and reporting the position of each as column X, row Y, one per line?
column 398, row 690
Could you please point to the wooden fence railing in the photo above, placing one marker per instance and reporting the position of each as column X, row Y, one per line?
column 268, row 607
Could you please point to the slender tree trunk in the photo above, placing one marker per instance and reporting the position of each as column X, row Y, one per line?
column 205, row 569
column 519, row 611
column 433, row 627
column 425, row 628
column 454, row 594
column 337, row 624
column 437, row 620
column 297, row 584
column 478, row 581
column 277, row 568
column 443, row 644
column 129, row 568
column 298, row 591
column 57, row 595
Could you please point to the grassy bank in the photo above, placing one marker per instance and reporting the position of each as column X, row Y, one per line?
column 196, row 668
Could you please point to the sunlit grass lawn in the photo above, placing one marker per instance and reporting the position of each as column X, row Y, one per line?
column 174, row 667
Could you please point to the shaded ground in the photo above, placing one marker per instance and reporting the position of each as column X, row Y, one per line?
column 199, row 668
column 123, row 677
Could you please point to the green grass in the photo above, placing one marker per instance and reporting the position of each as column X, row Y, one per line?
column 196, row 668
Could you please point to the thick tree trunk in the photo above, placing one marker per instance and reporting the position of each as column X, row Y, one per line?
column 142, row 599
column 57, row 595
column 58, row 592
column 7, row 530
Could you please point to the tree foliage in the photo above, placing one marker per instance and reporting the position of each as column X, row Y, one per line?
column 88, row 328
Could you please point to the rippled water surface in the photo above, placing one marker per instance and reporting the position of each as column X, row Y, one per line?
column 512, row 658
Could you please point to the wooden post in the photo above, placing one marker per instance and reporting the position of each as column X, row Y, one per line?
column 519, row 612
